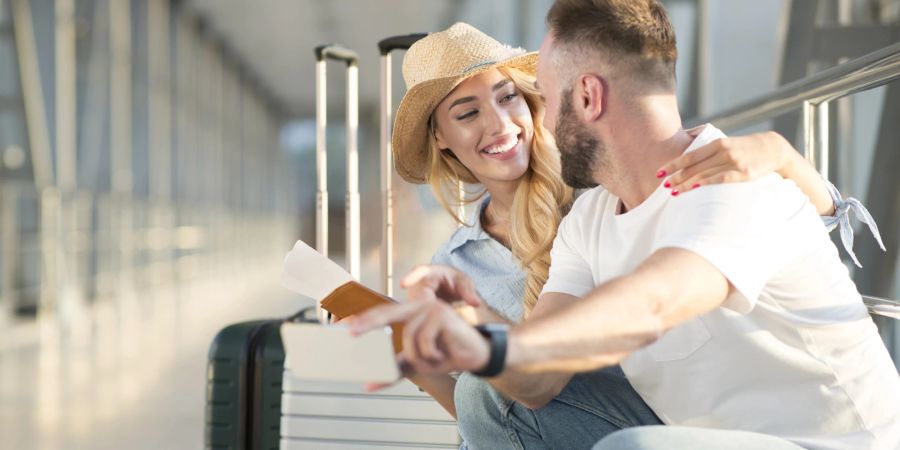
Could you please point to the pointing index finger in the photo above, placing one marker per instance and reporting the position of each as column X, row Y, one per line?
column 381, row 316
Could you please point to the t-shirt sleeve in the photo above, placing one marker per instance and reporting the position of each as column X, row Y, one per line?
column 569, row 270
column 748, row 231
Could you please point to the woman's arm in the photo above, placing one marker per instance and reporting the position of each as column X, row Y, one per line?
column 799, row 169
column 745, row 158
column 439, row 387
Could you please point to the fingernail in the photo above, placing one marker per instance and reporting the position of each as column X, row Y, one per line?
column 661, row 174
column 674, row 192
column 695, row 186
column 667, row 184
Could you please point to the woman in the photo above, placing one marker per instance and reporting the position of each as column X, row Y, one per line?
column 472, row 115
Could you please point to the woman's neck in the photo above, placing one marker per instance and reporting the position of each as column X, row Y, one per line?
column 496, row 218
column 502, row 196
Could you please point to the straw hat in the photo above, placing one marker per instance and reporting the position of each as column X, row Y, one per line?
column 432, row 68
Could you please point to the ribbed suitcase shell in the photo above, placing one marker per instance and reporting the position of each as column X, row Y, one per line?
column 331, row 415
column 243, row 388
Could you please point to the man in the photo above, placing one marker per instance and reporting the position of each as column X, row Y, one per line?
column 727, row 306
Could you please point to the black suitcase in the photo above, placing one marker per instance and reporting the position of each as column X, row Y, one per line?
column 243, row 384
column 243, row 387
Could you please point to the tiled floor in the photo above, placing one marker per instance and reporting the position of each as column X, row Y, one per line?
column 126, row 384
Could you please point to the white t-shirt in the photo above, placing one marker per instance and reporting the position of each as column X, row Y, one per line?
column 792, row 353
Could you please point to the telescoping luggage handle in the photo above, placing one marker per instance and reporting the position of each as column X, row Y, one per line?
column 338, row 53
column 386, row 46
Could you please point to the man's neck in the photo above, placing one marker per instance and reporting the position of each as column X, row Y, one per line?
column 643, row 143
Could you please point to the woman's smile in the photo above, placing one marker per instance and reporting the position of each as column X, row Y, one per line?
column 505, row 148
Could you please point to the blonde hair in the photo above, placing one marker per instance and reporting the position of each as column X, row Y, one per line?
column 540, row 202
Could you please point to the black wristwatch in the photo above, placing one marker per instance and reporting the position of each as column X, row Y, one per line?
column 496, row 336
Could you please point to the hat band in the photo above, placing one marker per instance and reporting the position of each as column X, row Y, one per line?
column 477, row 65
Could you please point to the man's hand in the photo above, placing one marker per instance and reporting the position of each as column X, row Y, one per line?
column 435, row 338
column 440, row 283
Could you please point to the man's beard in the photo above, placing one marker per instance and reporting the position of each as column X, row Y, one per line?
column 580, row 152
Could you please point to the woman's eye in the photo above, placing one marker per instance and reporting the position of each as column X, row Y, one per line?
column 509, row 97
column 468, row 115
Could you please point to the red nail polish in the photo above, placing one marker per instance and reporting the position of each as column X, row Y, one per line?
column 660, row 174
column 667, row 184
column 695, row 186
column 674, row 192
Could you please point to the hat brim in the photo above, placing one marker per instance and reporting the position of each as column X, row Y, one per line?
column 410, row 136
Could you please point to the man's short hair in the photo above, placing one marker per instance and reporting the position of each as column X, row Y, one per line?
column 635, row 34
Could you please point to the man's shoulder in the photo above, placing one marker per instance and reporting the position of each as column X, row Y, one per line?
column 769, row 205
column 703, row 135
column 767, row 194
column 589, row 200
column 586, row 209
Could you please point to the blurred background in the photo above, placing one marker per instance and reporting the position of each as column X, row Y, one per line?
column 157, row 160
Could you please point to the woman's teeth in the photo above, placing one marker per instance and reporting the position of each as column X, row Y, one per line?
column 502, row 148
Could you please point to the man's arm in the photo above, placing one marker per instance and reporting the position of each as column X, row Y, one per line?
column 482, row 314
column 618, row 317
column 532, row 389
column 623, row 315
column 565, row 334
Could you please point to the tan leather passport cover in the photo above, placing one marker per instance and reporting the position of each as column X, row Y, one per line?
column 353, row 298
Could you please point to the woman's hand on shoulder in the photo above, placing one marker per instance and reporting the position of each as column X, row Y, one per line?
column 729, row 160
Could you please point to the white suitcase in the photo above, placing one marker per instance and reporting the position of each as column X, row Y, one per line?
column 341, row 416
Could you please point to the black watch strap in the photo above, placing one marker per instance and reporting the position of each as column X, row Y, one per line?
column 496, row 335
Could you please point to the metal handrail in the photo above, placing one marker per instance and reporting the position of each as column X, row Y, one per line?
column 882, row 306
column 866, row 72
column 813, row 94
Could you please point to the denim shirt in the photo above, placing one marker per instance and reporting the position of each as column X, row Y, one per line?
column 498, row 276
column 500, row 279
column 841, row 219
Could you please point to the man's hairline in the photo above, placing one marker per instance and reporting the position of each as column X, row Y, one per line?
column 578, row 60
column 574, row 65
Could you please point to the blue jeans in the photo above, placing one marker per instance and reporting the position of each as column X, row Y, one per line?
column 679, row 438
column 592, row 406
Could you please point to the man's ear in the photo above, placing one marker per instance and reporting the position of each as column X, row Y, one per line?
column 592, row 96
